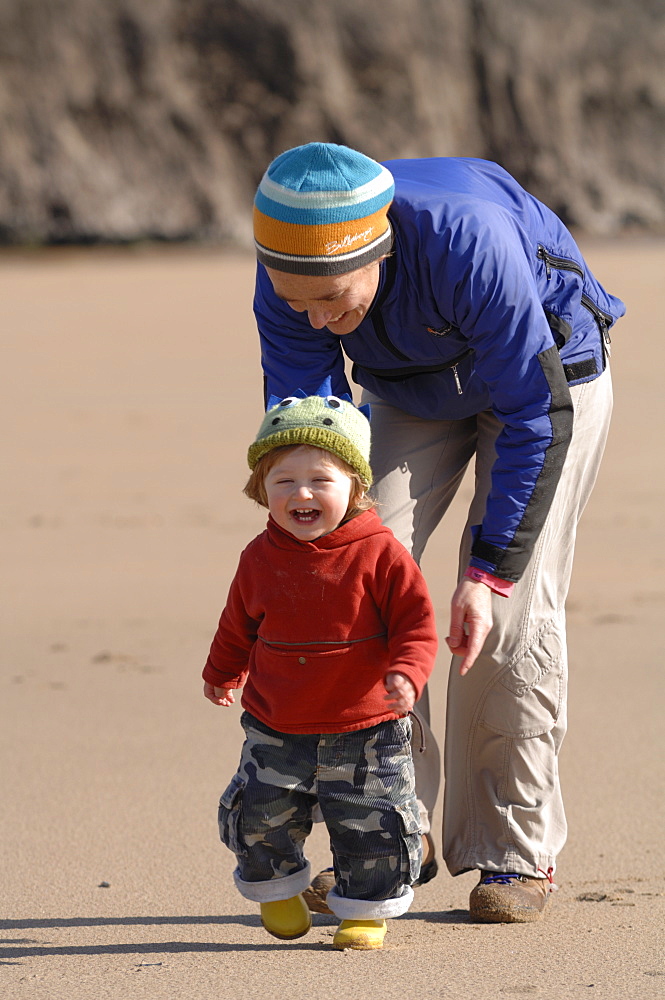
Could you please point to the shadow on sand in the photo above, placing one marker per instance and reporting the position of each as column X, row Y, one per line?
column 18, row 948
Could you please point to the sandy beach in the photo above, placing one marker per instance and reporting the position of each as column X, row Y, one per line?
column 131, row 391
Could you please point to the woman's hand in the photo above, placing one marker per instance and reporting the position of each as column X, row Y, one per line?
column 470, row 621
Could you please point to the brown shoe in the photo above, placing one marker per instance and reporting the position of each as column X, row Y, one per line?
column 429, row 867
column 315, row 894
column 503, row 898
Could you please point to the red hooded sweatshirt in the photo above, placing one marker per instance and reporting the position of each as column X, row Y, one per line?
column 312, row 628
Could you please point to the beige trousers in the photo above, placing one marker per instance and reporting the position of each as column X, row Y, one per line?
column 506, row 718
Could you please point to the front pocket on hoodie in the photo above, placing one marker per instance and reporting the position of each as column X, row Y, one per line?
column 312, row 675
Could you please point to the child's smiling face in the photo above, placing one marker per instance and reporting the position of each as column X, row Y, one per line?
column 308, row 493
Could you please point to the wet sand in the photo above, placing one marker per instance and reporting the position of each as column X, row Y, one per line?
column 131, row 391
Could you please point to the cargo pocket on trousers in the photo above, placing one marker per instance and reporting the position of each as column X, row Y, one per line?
column 229, row 815
column 411, row 840
column 527, row 698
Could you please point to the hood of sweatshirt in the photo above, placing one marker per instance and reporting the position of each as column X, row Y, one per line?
column 359, row 527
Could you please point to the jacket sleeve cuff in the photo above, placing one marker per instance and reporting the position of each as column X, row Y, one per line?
column 502, row 587
column 217, row 679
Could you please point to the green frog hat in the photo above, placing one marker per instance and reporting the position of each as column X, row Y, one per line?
column 324, row 421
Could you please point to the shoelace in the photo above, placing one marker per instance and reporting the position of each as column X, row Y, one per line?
column 502, row 878
column 505, row 878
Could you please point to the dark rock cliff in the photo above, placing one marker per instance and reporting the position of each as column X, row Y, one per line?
column 126, row 120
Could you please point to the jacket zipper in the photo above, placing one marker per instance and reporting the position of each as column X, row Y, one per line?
column 603, row 320
column 560, row 263
column 397, row 374
column 563, row 264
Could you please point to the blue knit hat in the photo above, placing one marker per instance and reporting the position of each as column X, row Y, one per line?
column 322, row 209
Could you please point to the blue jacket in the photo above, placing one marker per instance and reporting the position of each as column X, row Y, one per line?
column 486, row 302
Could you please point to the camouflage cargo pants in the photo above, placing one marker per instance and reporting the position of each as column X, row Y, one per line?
column 364, row 784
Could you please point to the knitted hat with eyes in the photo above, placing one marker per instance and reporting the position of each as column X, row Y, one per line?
column 332, row 423
column 322, row 209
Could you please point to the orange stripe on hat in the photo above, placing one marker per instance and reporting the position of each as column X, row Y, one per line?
column 318, row 241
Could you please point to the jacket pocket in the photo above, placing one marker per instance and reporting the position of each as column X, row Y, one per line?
column 527, row 698
column 229, row 816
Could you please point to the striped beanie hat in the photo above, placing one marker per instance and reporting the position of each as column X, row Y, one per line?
column 321, row 209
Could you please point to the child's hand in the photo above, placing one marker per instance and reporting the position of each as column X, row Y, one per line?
column 218, row 696
column 401, row 696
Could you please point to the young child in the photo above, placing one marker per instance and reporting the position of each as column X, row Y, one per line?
column 329, row 629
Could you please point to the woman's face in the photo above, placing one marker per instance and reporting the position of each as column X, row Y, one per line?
column 339, row 302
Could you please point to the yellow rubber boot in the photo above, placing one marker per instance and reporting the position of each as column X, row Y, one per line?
column 363, row 935
column 286, row 918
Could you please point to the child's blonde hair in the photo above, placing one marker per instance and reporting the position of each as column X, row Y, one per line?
column 255, row 485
